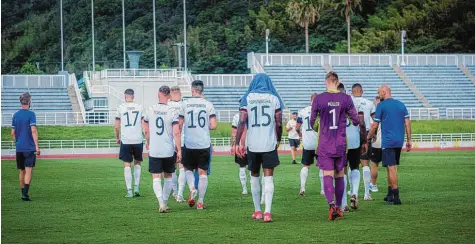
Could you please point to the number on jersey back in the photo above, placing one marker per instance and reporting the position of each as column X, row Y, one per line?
column 130, row 116
column 197, row 111
column 161, row 119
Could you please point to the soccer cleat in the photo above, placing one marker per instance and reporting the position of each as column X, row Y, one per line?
column 368, row 198
column 373, row 188
column 129, row 194
column 174, row 195
column 322, row 193
column 200, row 206
column 302, row 192
column 334, row 213
column 267, row 218
column 244, row 192
column 163, row 209
column 345, row 209
column 397, row 201
column 191, row 198
column 26, row 198
column 294, row 162
column 257, row 215
column 354, row 202
column 136, row 191
column 179, row 199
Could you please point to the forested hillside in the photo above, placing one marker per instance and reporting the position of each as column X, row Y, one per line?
column 221, row 32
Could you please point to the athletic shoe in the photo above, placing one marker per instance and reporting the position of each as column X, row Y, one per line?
column 334, row 213
column 397, row 201
column 129, row 194
column 244, row 192
column 163, row 209
column 179, row 199
column 354, row 202
column 191, row 198
column 201, row 206
column 26, row 198
column 373, row 188
column 136, row 191
column 302, row 192
column 257, row 215
column 267, row 218
column 349, row 193
column 174, row 195
column 322, row 193
column 294, row 162
column 368, row 198
column 345, row 209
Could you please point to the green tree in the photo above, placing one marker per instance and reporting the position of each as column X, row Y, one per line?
column 305, row 13
column 30, row 69
column 347, row 7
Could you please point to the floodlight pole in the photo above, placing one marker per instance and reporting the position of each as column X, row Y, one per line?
column 62, row 38
column 267, row 46
column 123, row 33
column 92, row 25
column 403, row 40
column 154, row 38
column 184, row 36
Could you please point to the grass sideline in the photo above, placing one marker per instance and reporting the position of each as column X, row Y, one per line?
column 73, row 204
column 224, row 130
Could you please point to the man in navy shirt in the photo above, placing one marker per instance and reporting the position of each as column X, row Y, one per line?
column 25, row 135
column 394, row 119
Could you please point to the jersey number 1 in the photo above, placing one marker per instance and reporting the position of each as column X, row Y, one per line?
column 135, row 120
column 334, row 126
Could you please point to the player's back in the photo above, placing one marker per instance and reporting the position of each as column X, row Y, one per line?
column 332, row 109
column 309, row 136
column 197, row 112
column 367, row 107
column 130, row 115
column 261, row 135
column 161, row 118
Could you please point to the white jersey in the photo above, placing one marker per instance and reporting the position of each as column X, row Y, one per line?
column 235, row 122
column 366, row 106
column 161, row 118
column 292, row 134
column 309, row 136
column 352, row 135
column 178, row 106
column 377, row 143
column 130, row 116
column 261, row 135
column 197, row 111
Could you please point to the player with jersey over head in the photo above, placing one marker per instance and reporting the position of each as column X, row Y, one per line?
column 128, row 133
column 261, row 109
column 163, row 137
column 241, row 161
column 309, row 141
column 333, row 107
column 200, row 118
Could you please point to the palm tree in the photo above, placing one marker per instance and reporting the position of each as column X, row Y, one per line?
column 305, row 13
column 347, row 7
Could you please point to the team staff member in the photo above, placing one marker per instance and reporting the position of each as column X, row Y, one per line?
column 294, row 136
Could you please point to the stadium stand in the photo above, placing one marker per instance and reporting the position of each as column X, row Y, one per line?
column 43, row 99
column 225, row 97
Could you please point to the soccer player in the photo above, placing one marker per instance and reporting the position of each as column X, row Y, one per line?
column 241, row 161
column 128, row 133
column 25, row 136
column 333, row 106
column 176, row 103
column 163, row 137
column 309, row 141
column 376, row 154
column 200, row 118
column 261, row 109
column 364, row 106
column 294, row 136
column 393, row 116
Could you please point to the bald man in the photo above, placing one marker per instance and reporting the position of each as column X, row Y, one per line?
column 393, row 117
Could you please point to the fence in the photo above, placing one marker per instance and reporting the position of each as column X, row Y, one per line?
column 66, row 118
column 225, row 80
column 34, row 81
column 428, row 60
column 106, row 90
column 460, row 113
column 360, row 60
column 135, row 73
column 423, row 113
column 291, row 59
column 468, row 60
column 77, row 90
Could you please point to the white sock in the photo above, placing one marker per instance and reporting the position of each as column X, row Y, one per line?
column 157, row 189
column 355, row 181
column 349, row 180
column 242, row 178
column 128, row 178
column 269, row 189
column 181, row 182
column 190, row 179
column 320, row 174
column 202, row 186
column 174, row 183
column 303, row 178
column 256, row 193
column 263, row 183
column 344, row 200
column 366, row 179
column 137, row 170
column 167, row 188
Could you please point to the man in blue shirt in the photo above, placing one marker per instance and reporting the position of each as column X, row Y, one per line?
column 25, row 135
column 393, row 117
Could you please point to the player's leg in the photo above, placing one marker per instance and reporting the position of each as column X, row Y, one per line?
column 393, row 176
column 255, row 160
column 137, row 151
column 175, row 178
column 320, row 175
column 354, row 160
column 190, row 163
column 125, row 154
column 203, row 165
column 365, row 156
column 155, row 168
column 263, row 195
column 168, row 165
column 242, row 162
column 344, row 199
column 181, row 182
column 375, row 160
column 307, row 160
column 20, row 165
column 270, row 160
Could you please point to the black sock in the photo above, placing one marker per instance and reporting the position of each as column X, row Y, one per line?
column 389, row 191
column 22, row 191
column 396, row 193
column 27, row 187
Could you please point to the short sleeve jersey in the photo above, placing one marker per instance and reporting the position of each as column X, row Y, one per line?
column 391, row 115
column 333, row 108
column 197, row 111
column 292, row 134
column 130, row 116
column 178, row 107
column 235, row 122
column 309, row 136
column 366, row 106
column 161, row 118
column 261, row 109
column 22, row 121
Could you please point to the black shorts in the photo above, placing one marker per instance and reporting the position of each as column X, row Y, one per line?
column 160, row 165
column 376, row 155
column 241, row 161
column 25, row 159
column 196, row 158
column 353, row 156
column 308, row 157
column 391, row 156
column 268, row 160
column 367, row 155
column 131, row 152
column 294, row 143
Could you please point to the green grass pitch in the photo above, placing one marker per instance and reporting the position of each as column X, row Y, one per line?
column 82, row 201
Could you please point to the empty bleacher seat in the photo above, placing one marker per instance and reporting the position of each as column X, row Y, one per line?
column 43, row 99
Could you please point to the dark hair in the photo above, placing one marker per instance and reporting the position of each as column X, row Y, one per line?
column 356, row 85
column 294, row 113
column 129, row 92
column 165, row 90
column 25, row 98
column 332, row 76
column 341, row 86
column 198, row 86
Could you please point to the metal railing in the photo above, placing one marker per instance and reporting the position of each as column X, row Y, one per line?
column 460, row 113
column 280, row 59
column 428, row 59
column 136, row 73
column 100, row 102
column 423, row 113
column 34, row 81
column 66, row 118
column 360, row 60
column 219, row 141
column 77, row 90
column 468, row 60
column 225, row 80
column 106, row 90
column 256, row 65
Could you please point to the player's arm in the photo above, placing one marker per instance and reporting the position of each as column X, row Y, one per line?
column 299, row 125
column 146, row 131
column 363, row 133
column 13, row 129
column 117, row 127
column 213, row 123
column 34, row 133
column 278, row 126
column 240, row 131
column 314, row 113
column 288, row 127
column 233, row 140
column 407, row 123
column 376, row 121
column 177, row 139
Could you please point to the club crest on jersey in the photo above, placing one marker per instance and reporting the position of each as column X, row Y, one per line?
column 333, row 104
column 130, row 108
